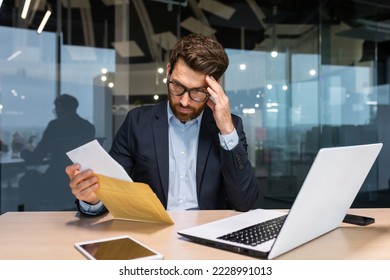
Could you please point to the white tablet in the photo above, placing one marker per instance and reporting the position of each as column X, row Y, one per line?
column 117, row 248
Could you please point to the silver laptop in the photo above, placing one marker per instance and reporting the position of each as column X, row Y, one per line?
column 326, row 195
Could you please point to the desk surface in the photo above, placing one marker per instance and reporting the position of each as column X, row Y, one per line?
column 51, row 235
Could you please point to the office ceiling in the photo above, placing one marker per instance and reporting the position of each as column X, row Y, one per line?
column 151, row 26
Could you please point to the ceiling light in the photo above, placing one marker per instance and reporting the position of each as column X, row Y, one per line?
column 242, row 66
column 160, row 70
column 14, row 55
column 249, row 110
column 272, row 104
column 25, row 9
column 44, row 21
column 274, row 54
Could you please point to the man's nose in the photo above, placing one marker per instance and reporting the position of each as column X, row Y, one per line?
column 185, row 99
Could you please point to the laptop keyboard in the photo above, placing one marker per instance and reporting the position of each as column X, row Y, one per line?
column 256, row 234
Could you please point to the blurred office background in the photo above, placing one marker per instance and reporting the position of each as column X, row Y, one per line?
column 303, row 75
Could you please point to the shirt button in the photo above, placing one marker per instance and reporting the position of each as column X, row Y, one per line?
column 181, row 177
column 182, row 153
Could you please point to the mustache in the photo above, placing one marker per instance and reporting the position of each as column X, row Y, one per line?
column 184, row 107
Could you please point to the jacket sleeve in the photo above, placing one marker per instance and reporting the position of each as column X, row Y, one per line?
column 239, row 178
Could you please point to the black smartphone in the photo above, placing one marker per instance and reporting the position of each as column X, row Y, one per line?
column 358, row 220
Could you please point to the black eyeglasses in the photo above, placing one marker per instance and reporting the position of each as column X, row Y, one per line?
column 196, row 94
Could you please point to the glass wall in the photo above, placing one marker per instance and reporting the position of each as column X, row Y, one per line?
column 302, row 75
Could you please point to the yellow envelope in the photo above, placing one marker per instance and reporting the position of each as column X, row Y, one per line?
column 131, row 201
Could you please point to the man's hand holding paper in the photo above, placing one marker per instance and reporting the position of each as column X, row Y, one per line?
column 121, row 196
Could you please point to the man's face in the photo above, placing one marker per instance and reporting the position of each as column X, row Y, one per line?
column 183, row 107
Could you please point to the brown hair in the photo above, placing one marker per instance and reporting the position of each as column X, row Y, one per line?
column 201, row 53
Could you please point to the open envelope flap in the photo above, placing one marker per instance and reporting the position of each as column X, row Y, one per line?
column 131, row 201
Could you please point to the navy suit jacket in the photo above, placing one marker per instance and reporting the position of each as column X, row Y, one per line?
column 224, row 179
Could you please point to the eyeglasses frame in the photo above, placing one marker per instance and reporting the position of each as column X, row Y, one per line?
column 185, row 89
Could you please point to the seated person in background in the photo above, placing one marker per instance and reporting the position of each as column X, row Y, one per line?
column 62, row 134
column 190, row 149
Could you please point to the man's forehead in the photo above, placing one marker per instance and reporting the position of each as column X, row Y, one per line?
column 188, row 78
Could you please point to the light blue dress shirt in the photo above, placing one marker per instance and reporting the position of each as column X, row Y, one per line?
column 183, row 148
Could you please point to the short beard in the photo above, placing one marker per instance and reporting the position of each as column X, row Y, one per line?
column 183, row 118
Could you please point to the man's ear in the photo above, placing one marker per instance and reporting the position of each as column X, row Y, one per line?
column 168, row 69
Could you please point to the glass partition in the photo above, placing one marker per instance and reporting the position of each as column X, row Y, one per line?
column 304, row 76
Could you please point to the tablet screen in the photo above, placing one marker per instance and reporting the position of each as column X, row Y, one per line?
column 117, row 249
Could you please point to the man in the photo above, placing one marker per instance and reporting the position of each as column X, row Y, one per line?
column 190, row 150
column 62, row 134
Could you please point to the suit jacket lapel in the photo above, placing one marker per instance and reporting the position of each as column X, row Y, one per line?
column 160, row 134
column 207, row 132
